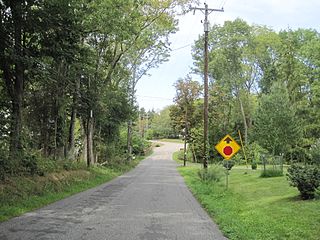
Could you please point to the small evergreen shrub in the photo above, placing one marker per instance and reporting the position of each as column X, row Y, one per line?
column 306, row 178
column 271, row 173
column 254, row 166
column 213, row 174
column 30, row 163
column 228, row 164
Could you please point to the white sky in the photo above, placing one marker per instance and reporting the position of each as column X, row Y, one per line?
column 157, row 91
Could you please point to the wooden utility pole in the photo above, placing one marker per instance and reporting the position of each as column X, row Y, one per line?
column 206, row 12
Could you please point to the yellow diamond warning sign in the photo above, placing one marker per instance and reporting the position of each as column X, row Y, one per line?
column 227, row 147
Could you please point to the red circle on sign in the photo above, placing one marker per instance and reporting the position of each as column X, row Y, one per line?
column 227, row 150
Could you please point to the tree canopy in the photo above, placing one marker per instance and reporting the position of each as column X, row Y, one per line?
column 67, row 69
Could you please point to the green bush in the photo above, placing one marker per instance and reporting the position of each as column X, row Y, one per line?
column 188, row 156
column 306, row 178
column 139, row 145
column 315, row 152
column 73, row 165
column 254, row 152
column 254, row 166
column 213, row 174
column 30, row 163
column 3, row 167
column 228, row 164
column 180, row 155
column 271, row 173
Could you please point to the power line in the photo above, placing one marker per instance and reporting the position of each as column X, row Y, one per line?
column 182, row 47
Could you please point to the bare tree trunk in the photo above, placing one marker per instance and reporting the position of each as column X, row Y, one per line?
column 244, row 121
column 129, row 140
column 13, row 75
column 89, row 133
column 84, row 142
column 16, row 122
column 71, row 138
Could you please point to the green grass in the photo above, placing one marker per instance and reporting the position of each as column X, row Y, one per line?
column 254, row 207
column 22, row 194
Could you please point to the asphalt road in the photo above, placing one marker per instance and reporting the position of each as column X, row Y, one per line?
column 149, row 203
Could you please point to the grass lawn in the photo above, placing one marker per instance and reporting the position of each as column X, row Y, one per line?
column 22, row 194
column 254, row 207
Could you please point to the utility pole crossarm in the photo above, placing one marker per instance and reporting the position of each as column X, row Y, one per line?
column 210, row 10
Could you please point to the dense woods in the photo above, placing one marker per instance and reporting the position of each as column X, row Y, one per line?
column 68, row 72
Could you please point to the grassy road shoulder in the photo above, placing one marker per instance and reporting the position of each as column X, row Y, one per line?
column 22, row 194
column 254, row 207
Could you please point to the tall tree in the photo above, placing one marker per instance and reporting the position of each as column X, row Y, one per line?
column 276, row 125
column 187, row 92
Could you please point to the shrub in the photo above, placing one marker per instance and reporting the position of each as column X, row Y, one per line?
column 228, row 164
column 213, row 174
column 306, row 178
column 180, row 155
column 139, row 145
column 271, row 173
column 315, row 152
column 2, row 168
column 254, row 152
column 254, row 166
column 69, row 165
column 30, row 163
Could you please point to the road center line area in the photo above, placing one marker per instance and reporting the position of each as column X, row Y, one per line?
column 148, row 203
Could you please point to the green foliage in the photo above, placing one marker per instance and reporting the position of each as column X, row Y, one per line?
column 183, row 113
column 213, row 174
column 267, row 173
column 254, row 152
column 306, row 178
column 276, row 127
column 262, row 87
column 196, row 143
column 315, row 152
column 254, row 166
column 228, row 164
column 140, row 145
column 85, row 51
column 161, row 125
column 180, row 155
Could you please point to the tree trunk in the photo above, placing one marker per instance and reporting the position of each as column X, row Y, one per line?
column 16, row 120
column 71, row 138
column 59, row 135
column 15, row 83
column 84, row 142
column 129, row 140
column 60, row 151
column 245, row 125
column 89, row 137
